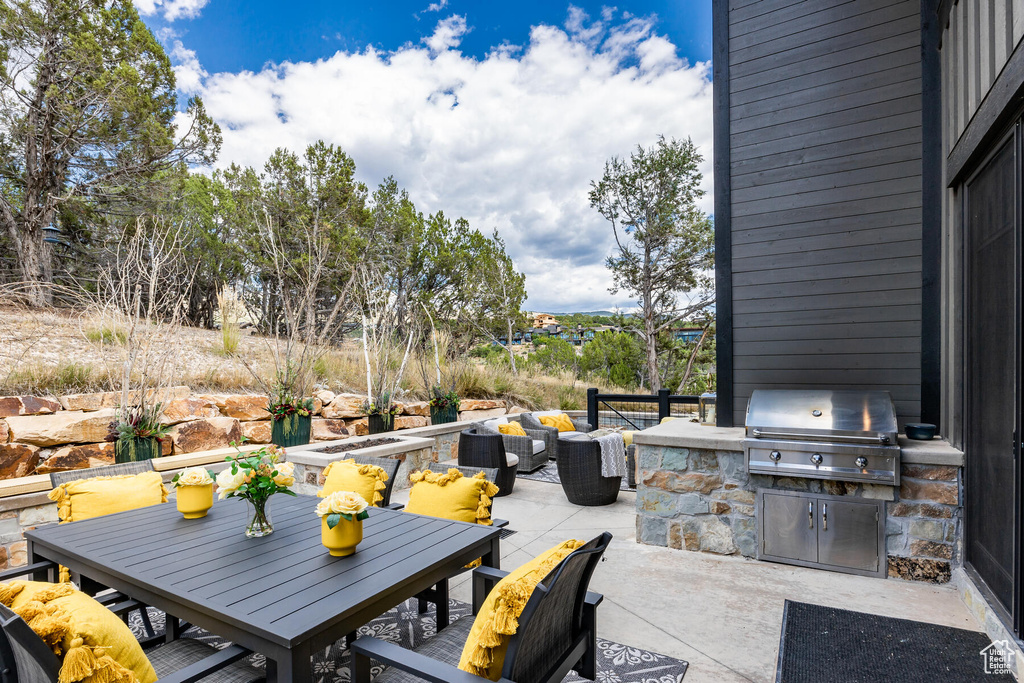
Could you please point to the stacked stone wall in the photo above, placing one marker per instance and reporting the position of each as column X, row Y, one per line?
column 39, row 435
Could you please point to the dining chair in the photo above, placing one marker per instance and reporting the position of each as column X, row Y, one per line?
column 121, row 469
column 27, row 659
column 557, row 632
column 390, row 467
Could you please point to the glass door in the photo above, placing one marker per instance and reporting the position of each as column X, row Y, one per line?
column 992, row 199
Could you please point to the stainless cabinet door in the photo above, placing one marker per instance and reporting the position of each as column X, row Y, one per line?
column 848, row 534
column 788, row 527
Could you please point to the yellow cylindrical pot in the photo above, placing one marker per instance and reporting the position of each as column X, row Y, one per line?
column 343, row 538
column 195, row 501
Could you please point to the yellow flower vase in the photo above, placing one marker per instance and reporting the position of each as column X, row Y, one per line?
column 195, row 501
column 342, row 540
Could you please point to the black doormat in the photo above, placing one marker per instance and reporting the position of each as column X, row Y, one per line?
column 549, row 473
column 405, row 626
column 827, row 645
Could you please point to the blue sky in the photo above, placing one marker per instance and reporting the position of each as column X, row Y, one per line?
column 502, row 113
column 232, row 35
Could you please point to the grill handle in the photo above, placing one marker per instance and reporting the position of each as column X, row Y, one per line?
column 758, row 432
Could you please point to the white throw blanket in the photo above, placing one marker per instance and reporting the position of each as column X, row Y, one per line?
column 613, row 455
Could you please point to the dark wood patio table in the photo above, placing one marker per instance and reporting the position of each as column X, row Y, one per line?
column 282, row 595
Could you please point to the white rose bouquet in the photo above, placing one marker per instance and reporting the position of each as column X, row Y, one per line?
column 340, row 504
column 193, row 476
column 255, row 477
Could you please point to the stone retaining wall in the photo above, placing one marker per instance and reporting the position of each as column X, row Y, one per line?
column 39, row 435
column 703, row 500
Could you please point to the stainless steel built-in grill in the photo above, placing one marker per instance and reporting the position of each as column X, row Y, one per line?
column 820, row 434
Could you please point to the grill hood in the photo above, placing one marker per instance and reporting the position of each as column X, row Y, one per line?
column 861, row 417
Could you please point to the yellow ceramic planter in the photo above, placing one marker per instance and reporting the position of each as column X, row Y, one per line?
column 343, row 538
column 195, row 501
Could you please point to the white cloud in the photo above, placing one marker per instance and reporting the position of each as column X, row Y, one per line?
column 188, row 72
column 171, row 9
column 510, row 141
column 447, row 34
column 437, row 6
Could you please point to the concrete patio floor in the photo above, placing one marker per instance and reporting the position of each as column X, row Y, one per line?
column 721, row 614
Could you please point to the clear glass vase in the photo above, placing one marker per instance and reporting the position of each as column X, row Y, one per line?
column 260, row 523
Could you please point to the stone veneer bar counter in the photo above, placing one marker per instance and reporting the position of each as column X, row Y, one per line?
column 693, row 493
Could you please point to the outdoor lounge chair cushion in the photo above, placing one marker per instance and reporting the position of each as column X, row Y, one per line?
column 451, row 496
column 498, row 618
column 538, row 446
column 513, row 428
column 88, row 498
column 348, row 475
column 93, row 642
column 561, row 422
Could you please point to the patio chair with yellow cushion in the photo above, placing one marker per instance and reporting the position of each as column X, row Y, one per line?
column 52, row 633
column 538, row 622
column 98, row 491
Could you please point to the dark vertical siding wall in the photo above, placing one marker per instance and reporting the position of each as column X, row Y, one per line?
column 825, row 170
column 982, row 71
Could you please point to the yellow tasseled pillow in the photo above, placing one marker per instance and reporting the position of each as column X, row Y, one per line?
column 561, row 422
column 627, row 437
column 94, row 645
column 513, row 428
column 451, row 496
column 348, row 475
column 498, row 618
column 88, row 498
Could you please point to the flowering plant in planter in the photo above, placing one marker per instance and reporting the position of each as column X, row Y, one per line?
column 442, row 399
column 283, row 403
column 339, row 505
column 384, row 407
column 255, row 477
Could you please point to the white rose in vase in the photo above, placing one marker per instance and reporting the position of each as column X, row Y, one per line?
column 228, row 482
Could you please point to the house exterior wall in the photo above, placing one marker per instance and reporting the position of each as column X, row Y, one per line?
column 980, row 43
column 824, row 198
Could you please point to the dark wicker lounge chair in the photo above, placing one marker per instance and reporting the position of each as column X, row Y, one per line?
column 556, row 633
column 27, row 659
column 550, row 434
column 487, row 450
column 579, row 469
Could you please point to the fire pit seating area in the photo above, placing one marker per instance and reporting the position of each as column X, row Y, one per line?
column 532, row 421
column 527, row 446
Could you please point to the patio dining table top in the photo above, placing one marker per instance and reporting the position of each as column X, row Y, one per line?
column 281, row 595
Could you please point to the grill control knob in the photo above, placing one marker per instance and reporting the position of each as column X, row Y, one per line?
column 775, row 456
column 816, row 458
column 862, row 462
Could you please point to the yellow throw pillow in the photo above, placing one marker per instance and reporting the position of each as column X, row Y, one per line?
column 88, row 498
column 348, row 475
column 512, row 428
column 451, row 496
column 627, row 437
column 498, row 618
column 561, row 422
column 94, row 645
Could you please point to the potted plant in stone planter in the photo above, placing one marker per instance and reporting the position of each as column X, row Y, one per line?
column 380, row 413
column 137, row 433
column 444, row 405
column 291, row 418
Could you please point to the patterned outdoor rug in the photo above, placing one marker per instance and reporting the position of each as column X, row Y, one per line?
column 404, row 625
column 549, row 473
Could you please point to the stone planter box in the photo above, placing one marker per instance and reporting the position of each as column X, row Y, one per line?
column 311, row 460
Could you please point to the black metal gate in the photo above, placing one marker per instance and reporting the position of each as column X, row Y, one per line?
column 992, row 248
